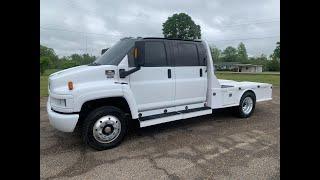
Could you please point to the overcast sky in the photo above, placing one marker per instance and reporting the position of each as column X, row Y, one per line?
column 79, row 26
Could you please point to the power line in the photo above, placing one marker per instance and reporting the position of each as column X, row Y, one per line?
column 81, row 32
column 243, row 39
column 261, row 22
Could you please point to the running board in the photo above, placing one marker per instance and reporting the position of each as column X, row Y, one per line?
column 173, row 116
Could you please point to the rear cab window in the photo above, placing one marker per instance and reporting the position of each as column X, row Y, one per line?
column 187, row 54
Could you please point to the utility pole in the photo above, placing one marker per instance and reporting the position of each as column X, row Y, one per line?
column 86, row 43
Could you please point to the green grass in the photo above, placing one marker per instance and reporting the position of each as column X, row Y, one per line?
column 44, row 82
column 43, row 86
column 273, row 79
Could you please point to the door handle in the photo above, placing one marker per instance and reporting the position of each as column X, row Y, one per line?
column 200, row 72
column 169, row 73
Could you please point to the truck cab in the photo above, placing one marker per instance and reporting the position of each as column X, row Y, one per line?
column 152, row 80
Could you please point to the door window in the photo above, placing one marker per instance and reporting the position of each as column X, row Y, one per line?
column 188, row 55
column 155, row 54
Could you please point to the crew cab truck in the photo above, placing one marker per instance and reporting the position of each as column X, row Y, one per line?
column 152, row 80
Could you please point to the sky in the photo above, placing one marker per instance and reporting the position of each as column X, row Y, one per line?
column 87, row 26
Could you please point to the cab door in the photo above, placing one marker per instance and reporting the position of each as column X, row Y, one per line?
column 190, row 73
column 153, row 84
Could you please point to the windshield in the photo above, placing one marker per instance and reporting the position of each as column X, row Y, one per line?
column 115, row 54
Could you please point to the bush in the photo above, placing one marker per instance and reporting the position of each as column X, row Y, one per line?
column 273, row 65
column 44, row 64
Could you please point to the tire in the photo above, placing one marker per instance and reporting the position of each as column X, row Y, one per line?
column 104, row 128
column 244, row 110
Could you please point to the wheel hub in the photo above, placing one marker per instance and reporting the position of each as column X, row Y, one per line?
column 106, row 129
column 247, row 105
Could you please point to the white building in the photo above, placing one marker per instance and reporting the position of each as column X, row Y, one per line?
column 237, row 67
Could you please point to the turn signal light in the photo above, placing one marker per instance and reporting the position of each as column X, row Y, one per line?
column 70, row 85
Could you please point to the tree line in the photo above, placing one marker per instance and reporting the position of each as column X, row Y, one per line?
column 49, row 59
column 239, row 54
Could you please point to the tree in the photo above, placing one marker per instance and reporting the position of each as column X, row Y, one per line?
column 229, row 54
column 215, row 53
column 276, row 52
column 49, row 53
column 273, row 65
column 260, row 60
column 44, row 64
column 242, row 53
column 181, row 26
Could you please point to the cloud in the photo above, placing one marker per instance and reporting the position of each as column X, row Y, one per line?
column 64, row 22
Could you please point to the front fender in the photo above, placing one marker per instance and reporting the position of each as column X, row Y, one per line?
column 95, row 91
column 128, row 95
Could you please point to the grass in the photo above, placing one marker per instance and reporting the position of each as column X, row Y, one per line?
column 44, row 82
column 43, row 86
column 273, row 79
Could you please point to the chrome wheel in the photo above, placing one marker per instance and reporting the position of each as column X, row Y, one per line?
column 106, row 129
column 247, row 105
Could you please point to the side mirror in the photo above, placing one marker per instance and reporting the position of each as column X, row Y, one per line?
column 138, row 53
column 104, row 50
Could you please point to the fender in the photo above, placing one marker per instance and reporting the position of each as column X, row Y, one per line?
column 243, row 91
column 128, row 95
column 105, row 91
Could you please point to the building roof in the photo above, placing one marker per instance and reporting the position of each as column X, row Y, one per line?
column 235, row 64
column 246, row 65
column 226, row 63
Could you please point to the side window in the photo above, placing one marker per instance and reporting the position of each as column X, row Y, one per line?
column 188, row 55
column 130, row 58
column 202, row 54
column 155, row 54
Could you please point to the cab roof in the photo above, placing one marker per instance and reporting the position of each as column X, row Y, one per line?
column 194, row 40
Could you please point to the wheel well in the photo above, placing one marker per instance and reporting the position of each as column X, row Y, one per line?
column 118, row 102
column 254, row 94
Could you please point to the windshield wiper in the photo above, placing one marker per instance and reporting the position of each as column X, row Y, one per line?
column 94, row 64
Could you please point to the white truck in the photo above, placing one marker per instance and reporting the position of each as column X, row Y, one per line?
column 152, row 80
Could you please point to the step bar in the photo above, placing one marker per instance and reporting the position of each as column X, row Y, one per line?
column 173, row 116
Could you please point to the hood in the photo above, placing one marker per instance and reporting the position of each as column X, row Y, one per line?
column 58, row 82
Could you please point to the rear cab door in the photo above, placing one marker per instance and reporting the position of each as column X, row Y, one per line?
column 190, row 72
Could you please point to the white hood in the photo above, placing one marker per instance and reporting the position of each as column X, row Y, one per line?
column 78, row 75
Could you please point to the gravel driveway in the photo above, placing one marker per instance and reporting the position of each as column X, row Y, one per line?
column 217, row 146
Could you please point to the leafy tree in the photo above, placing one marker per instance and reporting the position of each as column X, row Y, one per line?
column 242, row 53
column 273, row 65
column 49, row 53
column 229, row 54
column 276, row 51
column 44, row 64
column 181, row 26
column 215, row 53
column 260, row 60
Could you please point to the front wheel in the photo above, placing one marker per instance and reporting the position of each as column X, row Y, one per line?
column 104, row 128
column 246, row 105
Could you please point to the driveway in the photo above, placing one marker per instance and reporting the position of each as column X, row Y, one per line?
column 217, row 146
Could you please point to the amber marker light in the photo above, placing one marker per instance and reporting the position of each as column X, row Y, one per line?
column 70, row 85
